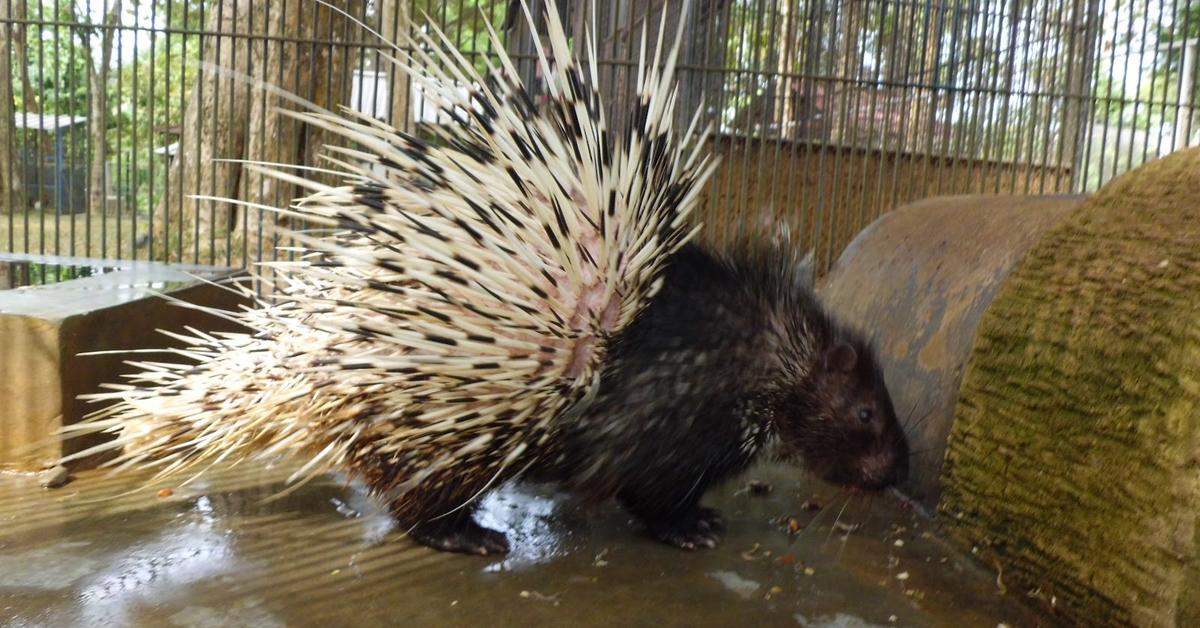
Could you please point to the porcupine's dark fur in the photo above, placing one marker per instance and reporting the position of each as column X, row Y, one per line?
column 497, row 309
column 732, row 353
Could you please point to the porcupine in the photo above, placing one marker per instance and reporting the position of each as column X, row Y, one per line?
column 519, row 300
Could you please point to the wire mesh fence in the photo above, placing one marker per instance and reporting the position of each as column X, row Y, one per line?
column 119, row 119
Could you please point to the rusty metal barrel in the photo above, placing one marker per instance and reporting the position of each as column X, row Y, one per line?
column 918, row 280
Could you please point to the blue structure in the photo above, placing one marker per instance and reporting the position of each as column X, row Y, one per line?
column 67, row 182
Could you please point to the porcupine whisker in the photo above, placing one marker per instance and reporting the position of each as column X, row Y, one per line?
column 928, row 415
column 688, row 494
column 221, row 284
column 272, row 88
column 908, row 416
column 846, row 539
column 833, row 527
column 815, row 522
column 481, row 491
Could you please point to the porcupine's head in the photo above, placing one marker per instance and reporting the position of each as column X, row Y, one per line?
column 832, row 408
column 840, row 419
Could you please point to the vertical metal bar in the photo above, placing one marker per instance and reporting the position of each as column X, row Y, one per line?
column 133, row 114
column 65, row 163
column 707, row 26
column 1185, row 84
column 865, row 215
column 767, row 74
column 734, row 223
column 1154, row 67
column 992, row 157
column 217, row 131
column 1094, row 103
column 202, row 19
column 725, row 145
column 119, row 156
column 1052, row 90
column 281, row 81
column 751, row 179
column 58, row 70
column 89, row 143
column 841, row 149
column 164, row 138
column 930, row 64
column 888, row 151
column 226, row 222
column 948, row 151
column 1027, row 109
column 1169, row 46
column 786, row 82
column 859, row 143
column 1006, row 157
column 1137, row 91
column 260, row 235
column 150, row 140
column 1121, row 100
column 36, row 153
column 1069, row 79
column 831, row 84
column 1039, row 106
column 16, row 164
column 972, row 100
column 902, row 148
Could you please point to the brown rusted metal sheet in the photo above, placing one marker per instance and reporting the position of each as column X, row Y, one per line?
column 918, row 280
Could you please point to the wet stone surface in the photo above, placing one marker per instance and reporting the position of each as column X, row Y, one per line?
column 216, row 553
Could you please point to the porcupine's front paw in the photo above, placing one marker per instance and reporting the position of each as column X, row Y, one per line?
column 463, row 536
column 700, row 528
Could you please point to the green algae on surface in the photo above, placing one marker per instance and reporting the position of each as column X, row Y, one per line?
column 1072, row 462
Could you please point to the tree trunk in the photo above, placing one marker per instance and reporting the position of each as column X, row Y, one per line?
column 322, row 77
column 1083, row 23
column 20, row 52
column 98, row 120
column 228, row 118
column 214, row 127
column 10, row 175
column 397, row 19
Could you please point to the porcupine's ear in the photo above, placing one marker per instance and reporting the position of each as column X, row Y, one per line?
column 842, row 357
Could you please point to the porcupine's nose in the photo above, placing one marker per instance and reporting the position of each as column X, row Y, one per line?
column 882, row 469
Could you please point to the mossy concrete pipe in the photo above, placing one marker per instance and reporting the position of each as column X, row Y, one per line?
column 1074, row 459
column 918, row 280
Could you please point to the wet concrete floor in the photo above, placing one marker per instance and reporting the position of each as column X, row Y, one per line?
column 216, row 553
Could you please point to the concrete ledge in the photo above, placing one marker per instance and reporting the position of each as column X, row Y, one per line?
column 43, row 330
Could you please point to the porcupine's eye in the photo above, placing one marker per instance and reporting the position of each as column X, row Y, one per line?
column 865, row 415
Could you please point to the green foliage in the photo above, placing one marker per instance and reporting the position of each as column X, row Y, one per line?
column 57, row 64
column 145, row 94
column 149, row 97
column 464, row 22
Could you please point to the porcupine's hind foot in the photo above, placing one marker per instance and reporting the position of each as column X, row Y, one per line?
column 687, row 526
column 462, row 535
column 699, row 528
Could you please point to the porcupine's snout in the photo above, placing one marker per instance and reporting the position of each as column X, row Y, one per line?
column 882, row 468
